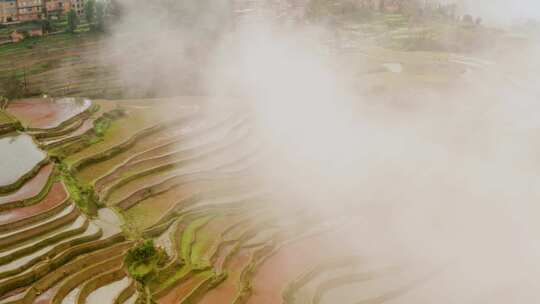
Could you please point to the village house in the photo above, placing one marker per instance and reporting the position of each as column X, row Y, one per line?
column 29, row 10
column 56, row 8
column 8, row 11
column 78, row 6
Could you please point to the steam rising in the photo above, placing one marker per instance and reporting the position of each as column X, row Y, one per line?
column 440, row 175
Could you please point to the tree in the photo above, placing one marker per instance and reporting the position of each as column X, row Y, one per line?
column 468, row 19
column 144, row 260
column 46, row 26
column 90, row 10
column 100, row 15
column 4, row 102
column 13, row 88
column 114, row 9
column 72, row 21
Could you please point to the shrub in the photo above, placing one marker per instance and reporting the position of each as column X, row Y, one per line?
column 72, row 21
column 90, row 10
column 3, row 102
column 100, row 16
column 83, row 196
column 144, row 260
column 46, row 26
column 12, row 87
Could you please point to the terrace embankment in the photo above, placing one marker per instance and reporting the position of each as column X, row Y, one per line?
column 31, row 192
column 187, row 182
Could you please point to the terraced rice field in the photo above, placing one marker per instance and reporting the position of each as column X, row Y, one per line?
column 61, row 65
column 83, row 183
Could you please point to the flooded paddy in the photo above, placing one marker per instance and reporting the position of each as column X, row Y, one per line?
column 47, row 113
column 18, row 156
column 31, row 189
column 55, row 198
column 108, row 221
column 108, row 292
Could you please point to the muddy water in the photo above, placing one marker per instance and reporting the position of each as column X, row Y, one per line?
column 18, row 156
column 165, row 241
column 106, row 293
column 108, row 221
column 48, row 113
column 71, row 298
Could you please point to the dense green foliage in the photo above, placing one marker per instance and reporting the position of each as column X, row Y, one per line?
column 72, row 21
column 143, row 260
column 102, row 125
column 82, row 195
column 12, row 87
column 100, row 16
column 3, row 102
column 90, row 10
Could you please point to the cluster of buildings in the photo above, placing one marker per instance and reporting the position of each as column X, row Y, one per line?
column 12, row 11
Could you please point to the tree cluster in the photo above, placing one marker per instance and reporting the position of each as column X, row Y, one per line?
column 143, row 260
column 12, row 88
column 94, row 12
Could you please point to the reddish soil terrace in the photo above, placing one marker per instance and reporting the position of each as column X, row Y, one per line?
column 85, row 128
column 288, row 263
column 226, row 291
column 56, row 196
column 17, row 293
column 46, row 113
column 31, row 189
column 180, row 291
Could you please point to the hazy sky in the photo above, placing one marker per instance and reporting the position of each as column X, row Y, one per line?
column 504, row 10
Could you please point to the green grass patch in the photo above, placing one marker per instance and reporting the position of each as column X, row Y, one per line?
column 102, row 126
column 119, row 129
column 6, row 118
column 82, row 195
column 178, row 275
column 205, row 240
column 188, row 237
column 71, row 58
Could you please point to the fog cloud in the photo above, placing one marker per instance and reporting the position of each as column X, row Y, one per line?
column 450, row 178
column 503, row 11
